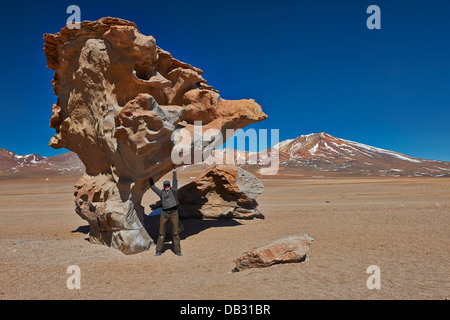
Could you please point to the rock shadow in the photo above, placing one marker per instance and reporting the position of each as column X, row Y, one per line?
column 83, row 230
column 188, row 227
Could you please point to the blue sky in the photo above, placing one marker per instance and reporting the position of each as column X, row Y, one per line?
column 313, row 65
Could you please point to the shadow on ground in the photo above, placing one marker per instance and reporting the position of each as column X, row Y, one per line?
column 188, row 227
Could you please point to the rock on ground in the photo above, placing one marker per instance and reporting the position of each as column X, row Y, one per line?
column 286, row 250
column 224, row 191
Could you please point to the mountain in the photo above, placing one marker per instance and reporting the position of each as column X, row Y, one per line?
column 312, row 155
column 34, row 166
column 321, row 154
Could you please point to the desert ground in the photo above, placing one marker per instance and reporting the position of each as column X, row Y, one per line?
column 398, row 224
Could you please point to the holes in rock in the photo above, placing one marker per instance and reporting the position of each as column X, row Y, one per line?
column 143, row 71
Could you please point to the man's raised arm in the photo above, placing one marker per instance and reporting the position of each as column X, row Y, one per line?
column 175, row 181
column 154, row 188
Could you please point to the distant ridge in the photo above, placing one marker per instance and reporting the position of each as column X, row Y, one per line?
column 323, row 154
column 315, row 155
column 34, row 166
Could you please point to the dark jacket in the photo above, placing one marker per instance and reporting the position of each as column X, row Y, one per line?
column 169, row 199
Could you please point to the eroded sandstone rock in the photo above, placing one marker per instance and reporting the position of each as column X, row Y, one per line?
column 286, row 250
column 120, row 98
column 224, row 191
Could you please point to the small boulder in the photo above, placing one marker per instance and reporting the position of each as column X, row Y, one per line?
column 286, row 250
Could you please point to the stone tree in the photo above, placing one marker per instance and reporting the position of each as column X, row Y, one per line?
column 120, row 99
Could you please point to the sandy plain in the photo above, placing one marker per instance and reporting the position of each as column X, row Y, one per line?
column 398, row 224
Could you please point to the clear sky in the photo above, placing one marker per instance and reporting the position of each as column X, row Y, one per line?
column 313, row 65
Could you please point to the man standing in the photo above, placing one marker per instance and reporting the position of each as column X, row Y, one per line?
column 169, row 213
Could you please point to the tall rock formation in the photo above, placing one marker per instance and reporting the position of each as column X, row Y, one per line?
column 120, row 99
